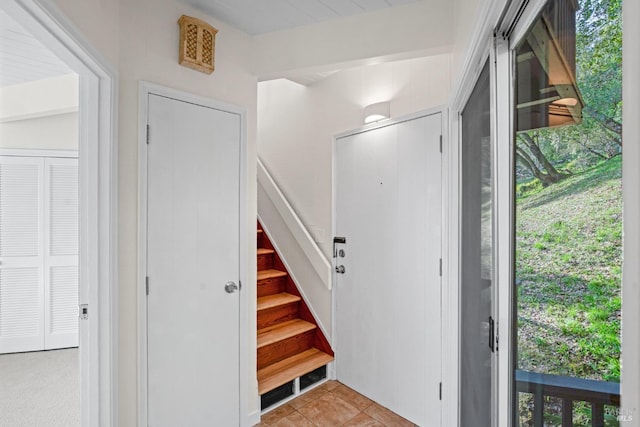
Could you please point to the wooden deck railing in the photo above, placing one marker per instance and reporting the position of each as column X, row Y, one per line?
column 568, row 390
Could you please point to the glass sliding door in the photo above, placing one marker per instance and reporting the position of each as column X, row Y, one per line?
column 568, row 215
column 476, row 293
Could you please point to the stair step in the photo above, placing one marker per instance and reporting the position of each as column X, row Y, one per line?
column 277, row 300
column 282, row 340
column 283, row 331
column 292, row 367
column 265, row 258
column 277, row 308
column 271, row 282
column 270, row 274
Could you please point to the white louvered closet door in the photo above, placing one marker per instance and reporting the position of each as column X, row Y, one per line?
column 38, row 253
column 21, row 254
column 61, row 253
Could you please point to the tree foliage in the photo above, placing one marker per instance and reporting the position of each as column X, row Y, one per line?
column 599, row 61
column 599, row 78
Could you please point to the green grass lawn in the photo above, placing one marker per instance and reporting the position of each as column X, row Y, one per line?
column 569, row 264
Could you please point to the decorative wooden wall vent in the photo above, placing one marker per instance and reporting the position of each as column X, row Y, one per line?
column 197, row 44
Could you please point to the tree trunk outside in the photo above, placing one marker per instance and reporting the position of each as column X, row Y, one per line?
column 552, row 175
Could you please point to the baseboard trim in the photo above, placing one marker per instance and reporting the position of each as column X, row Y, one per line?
column 252, row 419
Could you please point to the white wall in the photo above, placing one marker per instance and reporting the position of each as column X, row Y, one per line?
column 97, row 20
column 39, row 98
column 465, row 13
column 296, row 125
column 140, row 39
column 58, row 132
column 41, row 114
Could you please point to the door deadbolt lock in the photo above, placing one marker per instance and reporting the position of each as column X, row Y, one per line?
column 340, row 269
column 341, row 253
column 230, row 287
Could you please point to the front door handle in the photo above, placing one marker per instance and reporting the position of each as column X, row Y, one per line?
column 492, row 336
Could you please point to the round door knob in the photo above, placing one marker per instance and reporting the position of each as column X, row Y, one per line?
column 230, row 287
column 340, row 269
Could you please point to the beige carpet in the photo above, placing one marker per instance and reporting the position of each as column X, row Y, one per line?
column 40, row 389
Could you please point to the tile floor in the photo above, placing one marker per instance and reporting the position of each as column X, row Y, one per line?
column 331, row 405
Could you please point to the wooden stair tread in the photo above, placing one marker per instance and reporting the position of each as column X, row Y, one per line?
column 282, row 331
column 270, row 274
column 265, row 251
column 276, row 300
column 292, row 367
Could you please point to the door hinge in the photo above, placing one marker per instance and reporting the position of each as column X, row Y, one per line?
column 440, row 393
column 440, row 267
column 83, row 311
column 441, row 143
column 146, row 284
column 148, row 132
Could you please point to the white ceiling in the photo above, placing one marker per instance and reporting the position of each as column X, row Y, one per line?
column 23, row 58
column 265, row 16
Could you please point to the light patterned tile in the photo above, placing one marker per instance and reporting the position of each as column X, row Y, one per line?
column 280, row 412
column 351, row 396
column 328, row 386
column 329, row 411
column 293, row 420
column 386, row 417
column 363, row 420
column 308, row 397
column 331, row 384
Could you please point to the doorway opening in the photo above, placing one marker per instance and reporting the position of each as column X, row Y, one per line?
column 39, row 228
column 84, row 223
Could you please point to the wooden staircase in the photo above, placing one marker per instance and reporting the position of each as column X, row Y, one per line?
column 290, row 344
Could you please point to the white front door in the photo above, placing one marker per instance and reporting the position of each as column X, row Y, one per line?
column 193, row 226
column 388, row 208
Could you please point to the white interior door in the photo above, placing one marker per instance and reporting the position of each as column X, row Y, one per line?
column 61, row 241
column 21, row 254
column 388, row 207
column 193, row 161
column 38, row 253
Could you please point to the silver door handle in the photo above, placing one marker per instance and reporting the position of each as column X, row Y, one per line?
column 230, row 287
column 340, row 269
